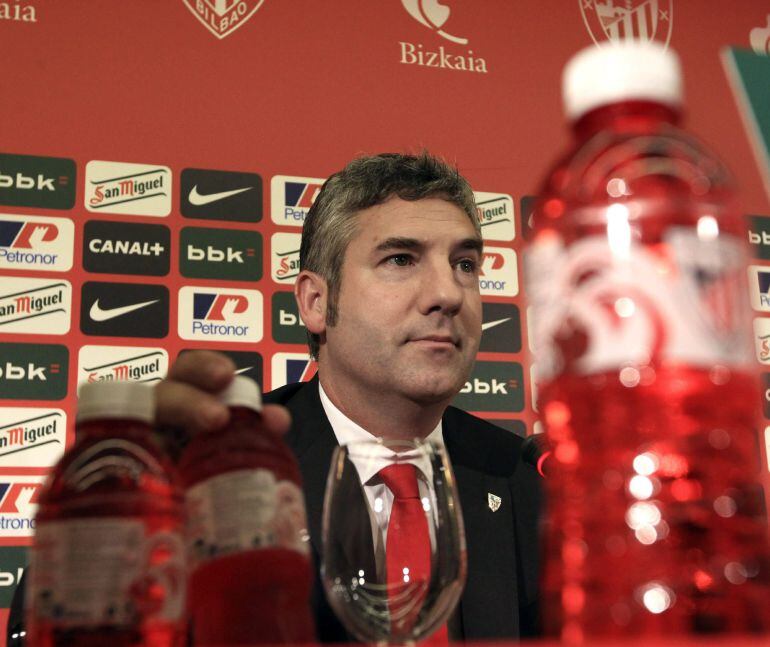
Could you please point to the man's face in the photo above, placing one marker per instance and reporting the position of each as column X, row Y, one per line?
column 409, row 309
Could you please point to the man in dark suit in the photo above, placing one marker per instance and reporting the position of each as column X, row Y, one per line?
column 389, row 293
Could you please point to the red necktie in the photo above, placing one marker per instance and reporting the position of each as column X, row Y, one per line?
column 407, row 551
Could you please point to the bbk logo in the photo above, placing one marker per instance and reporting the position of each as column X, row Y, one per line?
column 221, row 195
column 27, row 181
column 222, row 17
column 645, row 20
column 126, row 248
column 759, row 287
column 35, row 306
column 36, row 243
column 287, row 325
column 500, row 328
column 759, row 236
column 762, row 340
column 18, row 504
column 124, row 310
column 498, row 274
column 288, row 368
column 493, row 386
column 284, row 256
column 33, row 371
column 246, row 363
column 31, row 437
column 220, row 314
column 496, row 216
column 230, row 254
column 131, row 189
column 111, row 363
column 13, row 561
column 291, row 198
column 434, row 16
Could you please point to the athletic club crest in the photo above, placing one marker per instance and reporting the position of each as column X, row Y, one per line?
column 621, row 20
column 223, row 17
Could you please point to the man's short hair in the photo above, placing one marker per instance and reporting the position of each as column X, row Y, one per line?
column 331, row 222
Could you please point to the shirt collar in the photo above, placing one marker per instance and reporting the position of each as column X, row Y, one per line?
column 347, row 432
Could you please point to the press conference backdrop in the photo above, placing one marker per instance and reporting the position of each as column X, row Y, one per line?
column 157, row 160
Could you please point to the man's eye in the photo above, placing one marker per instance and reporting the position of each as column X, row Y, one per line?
column 402, row 260
column 467, row 265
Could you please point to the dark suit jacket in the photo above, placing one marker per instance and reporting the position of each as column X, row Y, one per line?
column 500, row 600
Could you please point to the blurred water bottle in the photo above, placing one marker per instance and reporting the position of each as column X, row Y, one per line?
column 107, row 564
column 250, row 569
column 637, row 280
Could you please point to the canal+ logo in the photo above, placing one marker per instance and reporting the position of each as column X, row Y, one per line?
column 291, row 198
column 36, row 243
column 220, row 315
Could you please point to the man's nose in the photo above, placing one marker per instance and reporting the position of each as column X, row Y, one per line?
column 441, row 291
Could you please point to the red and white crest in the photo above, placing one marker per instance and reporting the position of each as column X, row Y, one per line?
column 621, row 20
column 223, row 17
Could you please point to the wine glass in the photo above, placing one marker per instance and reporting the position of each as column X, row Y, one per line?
column 355, row 518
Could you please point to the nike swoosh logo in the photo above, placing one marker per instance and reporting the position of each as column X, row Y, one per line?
column 98, row 314
column 492, row 324
column 197, row 199
column 243, row 370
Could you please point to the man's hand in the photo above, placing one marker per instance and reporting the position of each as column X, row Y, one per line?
column 187, row 399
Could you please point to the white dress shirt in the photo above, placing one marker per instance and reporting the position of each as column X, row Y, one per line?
column 379, row 498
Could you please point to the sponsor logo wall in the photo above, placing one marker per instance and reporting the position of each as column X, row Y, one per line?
column 119, row 252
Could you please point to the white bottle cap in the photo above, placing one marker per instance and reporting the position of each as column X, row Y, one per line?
column 601, row 75
column 116, row 399
column 242, row 392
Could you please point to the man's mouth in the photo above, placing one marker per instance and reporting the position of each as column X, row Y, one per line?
column 438, row 341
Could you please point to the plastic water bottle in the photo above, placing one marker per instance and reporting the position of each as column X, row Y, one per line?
column 647, row 389
column 250, row 569
column 107, row 565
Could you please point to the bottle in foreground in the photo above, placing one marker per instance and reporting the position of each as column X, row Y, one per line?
column 107, row 564
column 636, row 274
column 250, row 570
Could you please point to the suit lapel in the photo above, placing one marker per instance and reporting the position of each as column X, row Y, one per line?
column 489, row 604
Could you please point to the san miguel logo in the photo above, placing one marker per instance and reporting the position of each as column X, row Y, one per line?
column 628, row 20
column 36, row 243
column 111, row 363
column 284, row 254
column 132, row 189
column 495, row 211
column 433, row 15
column 31, row 437
column 220, row 314
column 223, row 17
column 35, row 306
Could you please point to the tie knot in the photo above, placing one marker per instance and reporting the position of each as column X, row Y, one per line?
column 401, row 480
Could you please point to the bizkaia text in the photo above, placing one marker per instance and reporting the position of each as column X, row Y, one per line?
column 415, row 55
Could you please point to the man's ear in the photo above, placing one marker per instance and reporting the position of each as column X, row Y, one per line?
column 312, row 293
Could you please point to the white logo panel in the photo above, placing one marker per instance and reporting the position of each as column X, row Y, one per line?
column 35, row 306
column 135, row 363
column 18, row 504
column 31, row 437
column 759, row 287
column 36, row 243
column 291, row 198
column 131, row 189
column 498, row 274
column 288, row 368
column 496, row 215
column 762, row 339
column 220, row 314
column 284, row 257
